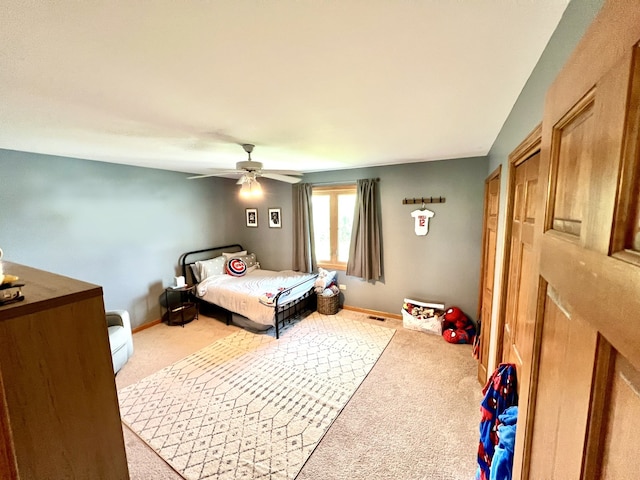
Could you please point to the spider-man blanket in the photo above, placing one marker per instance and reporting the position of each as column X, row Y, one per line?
column 499, row 394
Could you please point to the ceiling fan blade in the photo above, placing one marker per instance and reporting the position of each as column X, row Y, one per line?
column 250, row 169
column 202, row 176
column 280, row 177
column 282, row 172
column 216, row 174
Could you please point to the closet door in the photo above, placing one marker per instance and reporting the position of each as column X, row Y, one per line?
column 489, row 235
column 518, row 330
column 587, row 407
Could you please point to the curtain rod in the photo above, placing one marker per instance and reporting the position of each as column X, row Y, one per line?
column 343, row 182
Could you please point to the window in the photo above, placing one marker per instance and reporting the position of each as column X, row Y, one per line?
column 332, row 221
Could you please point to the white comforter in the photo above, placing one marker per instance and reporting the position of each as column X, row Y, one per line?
column 242, row 294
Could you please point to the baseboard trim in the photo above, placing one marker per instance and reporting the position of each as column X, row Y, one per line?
column 375, row 313
column 144, row 326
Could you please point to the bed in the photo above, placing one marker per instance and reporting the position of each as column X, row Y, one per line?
column 249, row 296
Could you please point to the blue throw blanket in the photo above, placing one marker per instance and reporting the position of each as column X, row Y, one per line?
column 502, row 463
column 500, row 393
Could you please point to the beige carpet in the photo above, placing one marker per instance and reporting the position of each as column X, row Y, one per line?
column 414, row 417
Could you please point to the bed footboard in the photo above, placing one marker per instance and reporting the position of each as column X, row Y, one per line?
column 284, row 310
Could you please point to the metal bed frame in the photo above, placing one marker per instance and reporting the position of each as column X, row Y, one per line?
column 283, row 311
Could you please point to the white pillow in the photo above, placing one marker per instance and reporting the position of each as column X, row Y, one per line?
column 214, row 266
column 195, row 270
column 249, row 259
column 229, row 255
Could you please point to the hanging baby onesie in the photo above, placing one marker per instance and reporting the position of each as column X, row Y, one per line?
column 422, row 220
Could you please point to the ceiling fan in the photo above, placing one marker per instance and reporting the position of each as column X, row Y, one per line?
column 249, row 170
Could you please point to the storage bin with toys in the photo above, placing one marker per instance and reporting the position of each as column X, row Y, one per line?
column 327, row 292
column 422, row 316
column 431, row 317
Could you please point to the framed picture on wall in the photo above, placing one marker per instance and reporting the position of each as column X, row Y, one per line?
column 252, row 217
column 275, row 218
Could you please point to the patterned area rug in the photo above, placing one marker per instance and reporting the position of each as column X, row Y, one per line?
column 250, row 406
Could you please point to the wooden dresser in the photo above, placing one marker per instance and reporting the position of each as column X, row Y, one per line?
column 59, row 415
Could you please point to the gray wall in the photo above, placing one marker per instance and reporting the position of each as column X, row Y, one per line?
column 528, row 110
column 444, row 265
column 124, row 227
column 116, row 226
column 272, row 246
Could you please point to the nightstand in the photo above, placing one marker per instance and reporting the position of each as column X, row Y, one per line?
column 179, row 305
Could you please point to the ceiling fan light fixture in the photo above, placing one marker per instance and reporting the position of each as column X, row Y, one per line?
column 250, row 188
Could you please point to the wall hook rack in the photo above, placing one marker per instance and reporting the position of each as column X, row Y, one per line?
column 423, row 200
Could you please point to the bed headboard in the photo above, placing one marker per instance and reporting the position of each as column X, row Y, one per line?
column 188, row 258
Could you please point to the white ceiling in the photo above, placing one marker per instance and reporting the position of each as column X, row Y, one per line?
column 316, row 85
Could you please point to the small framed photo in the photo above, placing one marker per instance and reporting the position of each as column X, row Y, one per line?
column 275, row 218
column 252, row 217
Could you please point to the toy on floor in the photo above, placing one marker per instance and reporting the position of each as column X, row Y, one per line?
column 422, row 316
column 456, row 327
column 325, row 283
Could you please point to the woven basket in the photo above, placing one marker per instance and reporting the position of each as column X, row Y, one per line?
column 328, row 305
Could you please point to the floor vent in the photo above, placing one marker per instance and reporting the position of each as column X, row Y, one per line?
column 380, row 319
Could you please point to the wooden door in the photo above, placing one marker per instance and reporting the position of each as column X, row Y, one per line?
column 489, row 235
column 587, row 402
column 517, row 335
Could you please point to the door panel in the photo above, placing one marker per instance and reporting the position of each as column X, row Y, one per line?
column 519, row 346
column 626, row 243
column 587, row 406
column 571, row 165
column 620, row 443
column 564, row 385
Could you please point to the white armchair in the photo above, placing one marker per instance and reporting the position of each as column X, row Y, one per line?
column 120, row 337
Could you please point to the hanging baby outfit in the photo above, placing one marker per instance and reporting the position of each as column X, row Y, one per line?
column 422, row 220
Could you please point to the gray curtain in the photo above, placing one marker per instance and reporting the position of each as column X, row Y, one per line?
column 304, row 256
column 365, row 256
